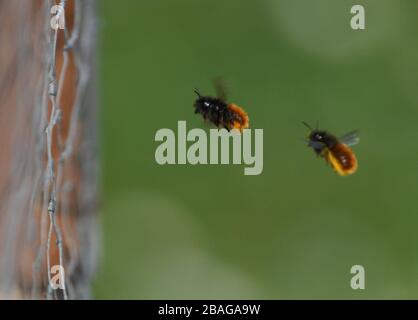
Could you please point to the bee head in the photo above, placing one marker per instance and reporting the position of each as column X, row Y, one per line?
column 318, row 136
column 318, row 140
column 201, row 101
column 205, row 103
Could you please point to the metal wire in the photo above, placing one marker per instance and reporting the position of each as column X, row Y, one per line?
column 49, row 171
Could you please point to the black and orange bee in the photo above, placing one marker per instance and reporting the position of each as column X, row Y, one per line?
column 221, row 113
column 336, row 151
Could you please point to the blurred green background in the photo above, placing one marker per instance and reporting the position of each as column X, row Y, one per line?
column 294, row 231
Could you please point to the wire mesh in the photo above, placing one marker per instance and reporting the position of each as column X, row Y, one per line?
column 49, row 155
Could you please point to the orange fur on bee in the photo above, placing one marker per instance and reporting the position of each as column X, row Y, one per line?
column 241, row 121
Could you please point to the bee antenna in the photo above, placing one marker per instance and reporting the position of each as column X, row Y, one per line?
column 307, row 125
column 317, row 124
column 197, row 92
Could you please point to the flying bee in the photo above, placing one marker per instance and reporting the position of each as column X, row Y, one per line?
column 336, row 151
column 221, row 113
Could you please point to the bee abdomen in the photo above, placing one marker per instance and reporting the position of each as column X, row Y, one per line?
column 240, row 119
column 342, row 159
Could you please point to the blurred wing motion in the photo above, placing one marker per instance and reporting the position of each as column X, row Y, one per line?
column 350, row 139
column 220, row 88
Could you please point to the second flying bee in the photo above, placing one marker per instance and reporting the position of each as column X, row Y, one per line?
column 337, row 152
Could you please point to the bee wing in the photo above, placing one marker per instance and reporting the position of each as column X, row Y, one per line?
column 351, row 138
column 221, row 93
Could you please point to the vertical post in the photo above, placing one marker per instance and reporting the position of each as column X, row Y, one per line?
column 48, row 149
